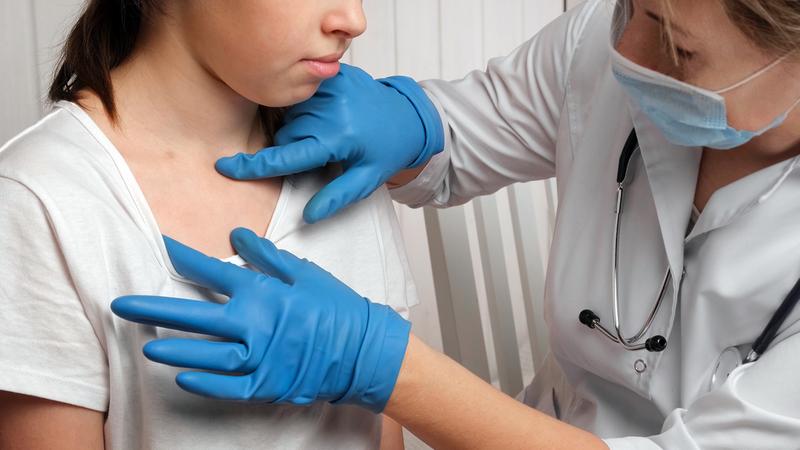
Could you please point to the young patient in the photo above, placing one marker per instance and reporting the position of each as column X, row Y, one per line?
column 149, row 95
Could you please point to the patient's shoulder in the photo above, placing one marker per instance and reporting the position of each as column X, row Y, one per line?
column 57, row 154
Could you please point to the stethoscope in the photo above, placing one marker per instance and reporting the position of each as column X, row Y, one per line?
column 731, row 357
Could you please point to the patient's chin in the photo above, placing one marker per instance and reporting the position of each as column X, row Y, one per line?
column 286, row 97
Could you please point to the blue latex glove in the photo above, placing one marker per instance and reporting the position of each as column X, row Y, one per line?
column 295, row 333
column 375, row 128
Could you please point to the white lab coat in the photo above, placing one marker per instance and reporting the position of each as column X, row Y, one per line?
column 553, row 109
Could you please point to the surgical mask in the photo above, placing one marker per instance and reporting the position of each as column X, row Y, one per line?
column 687, row 115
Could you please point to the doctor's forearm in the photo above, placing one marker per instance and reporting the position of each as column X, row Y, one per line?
column 450, row 408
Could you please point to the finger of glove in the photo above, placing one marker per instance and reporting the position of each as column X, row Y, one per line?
column 209, row 272
column 225, row 387
column 355, row 184
column 345, row 83
column 178, row 314
column 321, row 104
column 304, row 126
column 263, row 255
column 200, row 354
column 335, row 96
column 296, row 157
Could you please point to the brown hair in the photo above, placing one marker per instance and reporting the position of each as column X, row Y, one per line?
column 103, row 38
column 773, row 25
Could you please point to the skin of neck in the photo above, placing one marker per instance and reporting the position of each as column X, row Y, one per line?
column 775, row 145
column 167, row 97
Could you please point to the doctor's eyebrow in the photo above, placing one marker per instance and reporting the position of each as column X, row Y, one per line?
column 664, row 23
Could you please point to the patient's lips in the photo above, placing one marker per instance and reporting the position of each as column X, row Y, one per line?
column 324, row 67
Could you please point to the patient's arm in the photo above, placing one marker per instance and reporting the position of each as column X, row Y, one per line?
column 392, row 435
column 33, row 423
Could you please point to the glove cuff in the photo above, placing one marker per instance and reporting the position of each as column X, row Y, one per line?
column 426, row 110
column 380, row 358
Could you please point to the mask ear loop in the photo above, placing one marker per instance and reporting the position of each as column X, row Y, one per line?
column 752, row 77
column 791, row 108
column 758, row 74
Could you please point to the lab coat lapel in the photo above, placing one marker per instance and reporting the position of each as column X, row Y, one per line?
column 740, row 197
column 672, row 174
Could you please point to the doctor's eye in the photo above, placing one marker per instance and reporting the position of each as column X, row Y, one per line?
column 677, row 59
column 684, row 54
column 675, row 52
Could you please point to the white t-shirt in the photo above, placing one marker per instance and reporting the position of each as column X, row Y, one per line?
column 76, row 232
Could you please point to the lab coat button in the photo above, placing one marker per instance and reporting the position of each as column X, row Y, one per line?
column 640, row 366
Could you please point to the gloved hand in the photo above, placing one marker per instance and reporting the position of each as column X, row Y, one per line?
column 296, row 333
column 375, row 128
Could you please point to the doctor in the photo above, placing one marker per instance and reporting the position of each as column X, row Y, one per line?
column 676, row 245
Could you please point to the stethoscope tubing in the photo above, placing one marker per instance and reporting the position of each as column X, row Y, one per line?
column 592, row 320
column 770, row 332
column 658, row 343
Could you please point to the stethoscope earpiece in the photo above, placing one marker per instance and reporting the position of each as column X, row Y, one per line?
column 656, row 343
column 588, row 318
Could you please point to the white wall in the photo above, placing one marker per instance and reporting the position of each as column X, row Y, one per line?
column 479, row 268
column 30, row 36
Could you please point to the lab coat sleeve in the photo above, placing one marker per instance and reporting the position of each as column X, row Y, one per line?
column 501, row 124
column 757, row 408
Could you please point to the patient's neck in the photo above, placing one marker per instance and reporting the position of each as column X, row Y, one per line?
column 175, row 120
column 165, row 96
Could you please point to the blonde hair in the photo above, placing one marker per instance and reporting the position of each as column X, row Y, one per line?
column 773, row 25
